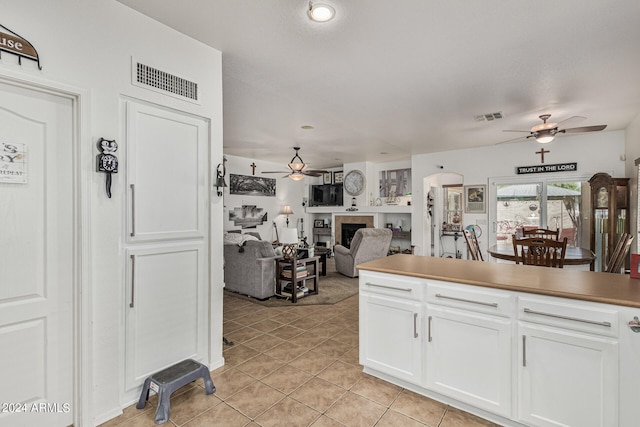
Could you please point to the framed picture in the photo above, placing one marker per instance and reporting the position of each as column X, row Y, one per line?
column 389, row 225
column 338, row 177
column 475, row 200
column 318, row 223
column 326, row 178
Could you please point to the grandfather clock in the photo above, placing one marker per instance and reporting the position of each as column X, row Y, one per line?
column 609, row 215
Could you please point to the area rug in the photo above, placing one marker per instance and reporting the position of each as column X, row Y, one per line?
column 333, row 288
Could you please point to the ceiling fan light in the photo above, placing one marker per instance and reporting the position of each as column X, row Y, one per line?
column 544, row 137
column 296, row 176
column 296, row 167
column 320, row 12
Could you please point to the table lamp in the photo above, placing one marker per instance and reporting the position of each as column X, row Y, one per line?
column 289, row 240
column 286, row 210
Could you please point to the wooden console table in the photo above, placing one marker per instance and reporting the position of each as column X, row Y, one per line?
column 311, row 265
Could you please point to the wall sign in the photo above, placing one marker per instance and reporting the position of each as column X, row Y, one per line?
column 12, row 43
column 13, row 163
column 559, row 167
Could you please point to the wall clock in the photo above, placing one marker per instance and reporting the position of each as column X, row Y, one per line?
column 354, row 182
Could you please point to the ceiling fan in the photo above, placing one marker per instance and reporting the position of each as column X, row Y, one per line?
column 298, row 169
column 546, row 132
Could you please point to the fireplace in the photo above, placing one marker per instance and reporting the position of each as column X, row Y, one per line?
column 359, row 220
column 348, row 231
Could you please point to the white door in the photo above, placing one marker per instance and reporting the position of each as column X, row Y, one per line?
column 167, row 241
column 567, row 378
column 36, row 258
column 469, row 358
column 390, row 336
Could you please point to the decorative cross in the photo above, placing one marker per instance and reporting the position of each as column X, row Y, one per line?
column 542, row 153
column 253, row 168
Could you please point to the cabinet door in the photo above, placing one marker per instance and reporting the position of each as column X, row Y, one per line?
column 165, row 309
column 468, row 357
column 390, row 338
column 567, row 378
column 166, row 174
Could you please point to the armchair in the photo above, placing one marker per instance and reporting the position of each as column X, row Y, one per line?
column 367, row 244
column 249, row 268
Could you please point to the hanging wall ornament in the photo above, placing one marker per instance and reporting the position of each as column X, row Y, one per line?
column 107, row 161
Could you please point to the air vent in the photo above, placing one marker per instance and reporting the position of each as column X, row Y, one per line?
column 161, row 81
column 488, row 117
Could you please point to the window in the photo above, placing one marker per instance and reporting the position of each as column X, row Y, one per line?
column 541, row 203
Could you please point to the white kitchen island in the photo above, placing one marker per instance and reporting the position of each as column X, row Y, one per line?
column 517, row 345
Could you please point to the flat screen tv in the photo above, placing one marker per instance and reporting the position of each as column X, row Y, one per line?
column 326, row 195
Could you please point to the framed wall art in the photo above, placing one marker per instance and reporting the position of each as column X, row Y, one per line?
column 475, row 198
column 338, row 177
column 326, row 178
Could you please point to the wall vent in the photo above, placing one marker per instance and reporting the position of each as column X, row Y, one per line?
column 488, row 117
column 161, row 81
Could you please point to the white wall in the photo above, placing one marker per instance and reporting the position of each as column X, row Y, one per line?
column 88, row 45
column 632, row 148
column 594, row 152
column 288, row 192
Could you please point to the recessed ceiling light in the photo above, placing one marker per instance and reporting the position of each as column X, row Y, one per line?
column 319, row 12
column 306, row 127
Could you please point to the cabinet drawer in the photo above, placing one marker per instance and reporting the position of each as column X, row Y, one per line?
column 393, row 285
column 579, row 316
column 473, row 298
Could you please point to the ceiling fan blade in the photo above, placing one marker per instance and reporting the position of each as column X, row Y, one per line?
column 275, row 172
column 512, row 130
column 584, row 129
column 310, row 173
column 574, row 120
column 317, row 171
column 514, row 139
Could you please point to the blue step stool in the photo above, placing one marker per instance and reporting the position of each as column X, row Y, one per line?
column 169, row 380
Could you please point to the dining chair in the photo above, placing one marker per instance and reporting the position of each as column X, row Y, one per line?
column 619, row 252
column 540, row 232
column 539, row 251
column 472, row 245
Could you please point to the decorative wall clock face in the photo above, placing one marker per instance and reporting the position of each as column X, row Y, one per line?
column 354, row 183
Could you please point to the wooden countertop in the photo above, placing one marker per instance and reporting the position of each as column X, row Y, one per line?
column 608, row 288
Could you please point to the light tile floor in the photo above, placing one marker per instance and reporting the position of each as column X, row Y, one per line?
column 296, row 366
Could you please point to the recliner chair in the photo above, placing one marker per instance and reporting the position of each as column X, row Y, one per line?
column 367, row 244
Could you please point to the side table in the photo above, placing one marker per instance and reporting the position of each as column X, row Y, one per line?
column 296, row 272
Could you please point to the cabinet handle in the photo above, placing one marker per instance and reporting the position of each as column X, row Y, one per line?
column 429, row 329
column 133, row 209
column 133, row 278
column 524, row 351
column 488, row 304
column 389, row 287
column 415, row 325
column 575, row 319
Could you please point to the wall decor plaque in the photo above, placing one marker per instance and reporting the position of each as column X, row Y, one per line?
column 12, row 43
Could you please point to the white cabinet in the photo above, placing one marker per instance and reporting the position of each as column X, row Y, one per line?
column 166, row 244
column 390, row 336
column 469, row 351
column 391, row 319
column 166, row 308
column 468, row 357
column 568, row 365
column 515, row 358
column 166, row 174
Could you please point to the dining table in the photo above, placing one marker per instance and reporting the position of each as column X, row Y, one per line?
column 573, row 255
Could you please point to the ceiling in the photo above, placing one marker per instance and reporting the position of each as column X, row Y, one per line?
column 387, row 80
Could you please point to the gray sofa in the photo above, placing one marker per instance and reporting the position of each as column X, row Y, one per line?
column 249, row 268
column 367, row 244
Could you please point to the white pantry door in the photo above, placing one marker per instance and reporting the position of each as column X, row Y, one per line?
column 36, row 258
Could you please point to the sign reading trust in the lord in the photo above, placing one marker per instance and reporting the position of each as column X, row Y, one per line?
column 13, row 163
column 560, row 167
